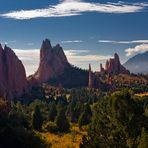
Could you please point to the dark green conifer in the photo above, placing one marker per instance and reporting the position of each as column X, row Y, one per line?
column 37, row 120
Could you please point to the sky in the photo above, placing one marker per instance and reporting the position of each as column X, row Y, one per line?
column 90, row 31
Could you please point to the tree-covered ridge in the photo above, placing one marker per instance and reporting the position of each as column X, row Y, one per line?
column 119, row 120
column 71, row 77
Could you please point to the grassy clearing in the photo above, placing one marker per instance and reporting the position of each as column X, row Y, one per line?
column 67, row 140
column 142, row 94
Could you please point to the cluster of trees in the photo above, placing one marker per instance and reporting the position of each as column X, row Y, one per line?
column 119, row 120
column 19, row 120
column 138, row 83
column 15, row 130
column 72, row 77
column 113, row 120
column 62, row 110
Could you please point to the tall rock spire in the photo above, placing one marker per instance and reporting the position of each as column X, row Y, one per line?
column 90, row 81
column 101, row 68
column 52, row 62
column 13, row 80
column 113, row 66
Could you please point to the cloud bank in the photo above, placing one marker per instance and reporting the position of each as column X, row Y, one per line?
column 75, row 57
column 30, row 58
column 72, row 41
column 76, row 7
column 137, row 49
column 123, row 42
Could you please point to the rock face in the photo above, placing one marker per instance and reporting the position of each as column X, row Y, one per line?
column 55, row 70
column 101, row 69
column 90, row 81
column 113, row 66
column 52, row 62
column 12, row 74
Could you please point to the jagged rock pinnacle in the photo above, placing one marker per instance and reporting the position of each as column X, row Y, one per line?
column 52, row 62
column 12, row 74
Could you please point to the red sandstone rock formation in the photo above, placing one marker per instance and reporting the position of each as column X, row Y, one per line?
column 101, row 68
column 12, row 74
column 102, row 72
column 52, row 62
column 113, row 66
column 90, row 81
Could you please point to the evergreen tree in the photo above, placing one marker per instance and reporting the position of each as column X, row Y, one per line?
column 62, row 122
column 52, row 112
column 144, row 139
column 85, row 117
column 37, row 119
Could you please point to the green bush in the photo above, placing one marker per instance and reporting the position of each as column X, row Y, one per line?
column 50, row 127
column 19, row 137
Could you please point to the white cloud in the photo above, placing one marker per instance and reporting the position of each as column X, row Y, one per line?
column 84, row 56
column 140, row 41
column 123, row 42
column 87, row 58
column 75, row 52
column 137, row 49
column 30, row 58
column 8, row 42
column 4, row 43
column 76, row 7
column 72, row 41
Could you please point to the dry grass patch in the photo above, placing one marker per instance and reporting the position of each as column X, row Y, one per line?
column 142, row 94
column 67, row 140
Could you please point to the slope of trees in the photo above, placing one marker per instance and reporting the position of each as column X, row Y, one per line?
column 118, row 121
column 72, row 77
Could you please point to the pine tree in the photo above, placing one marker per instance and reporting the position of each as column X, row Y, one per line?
column 85, row 117
column 37, row 119
column 62, row 122
column 144, row 139
column 52, row 112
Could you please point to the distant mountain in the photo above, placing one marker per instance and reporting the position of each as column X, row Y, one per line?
column 138, row 63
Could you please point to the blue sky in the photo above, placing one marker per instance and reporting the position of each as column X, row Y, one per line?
column 90, row 31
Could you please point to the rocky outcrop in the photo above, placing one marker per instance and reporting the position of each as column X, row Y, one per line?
column 101, row 69
column 113, row 66
column 90, row 80
column 52, row 62
column 12, row 74
column 55, row 69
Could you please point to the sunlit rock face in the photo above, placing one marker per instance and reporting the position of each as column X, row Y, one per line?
column 52, row 62
column 113, row 66
column 13, row 81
